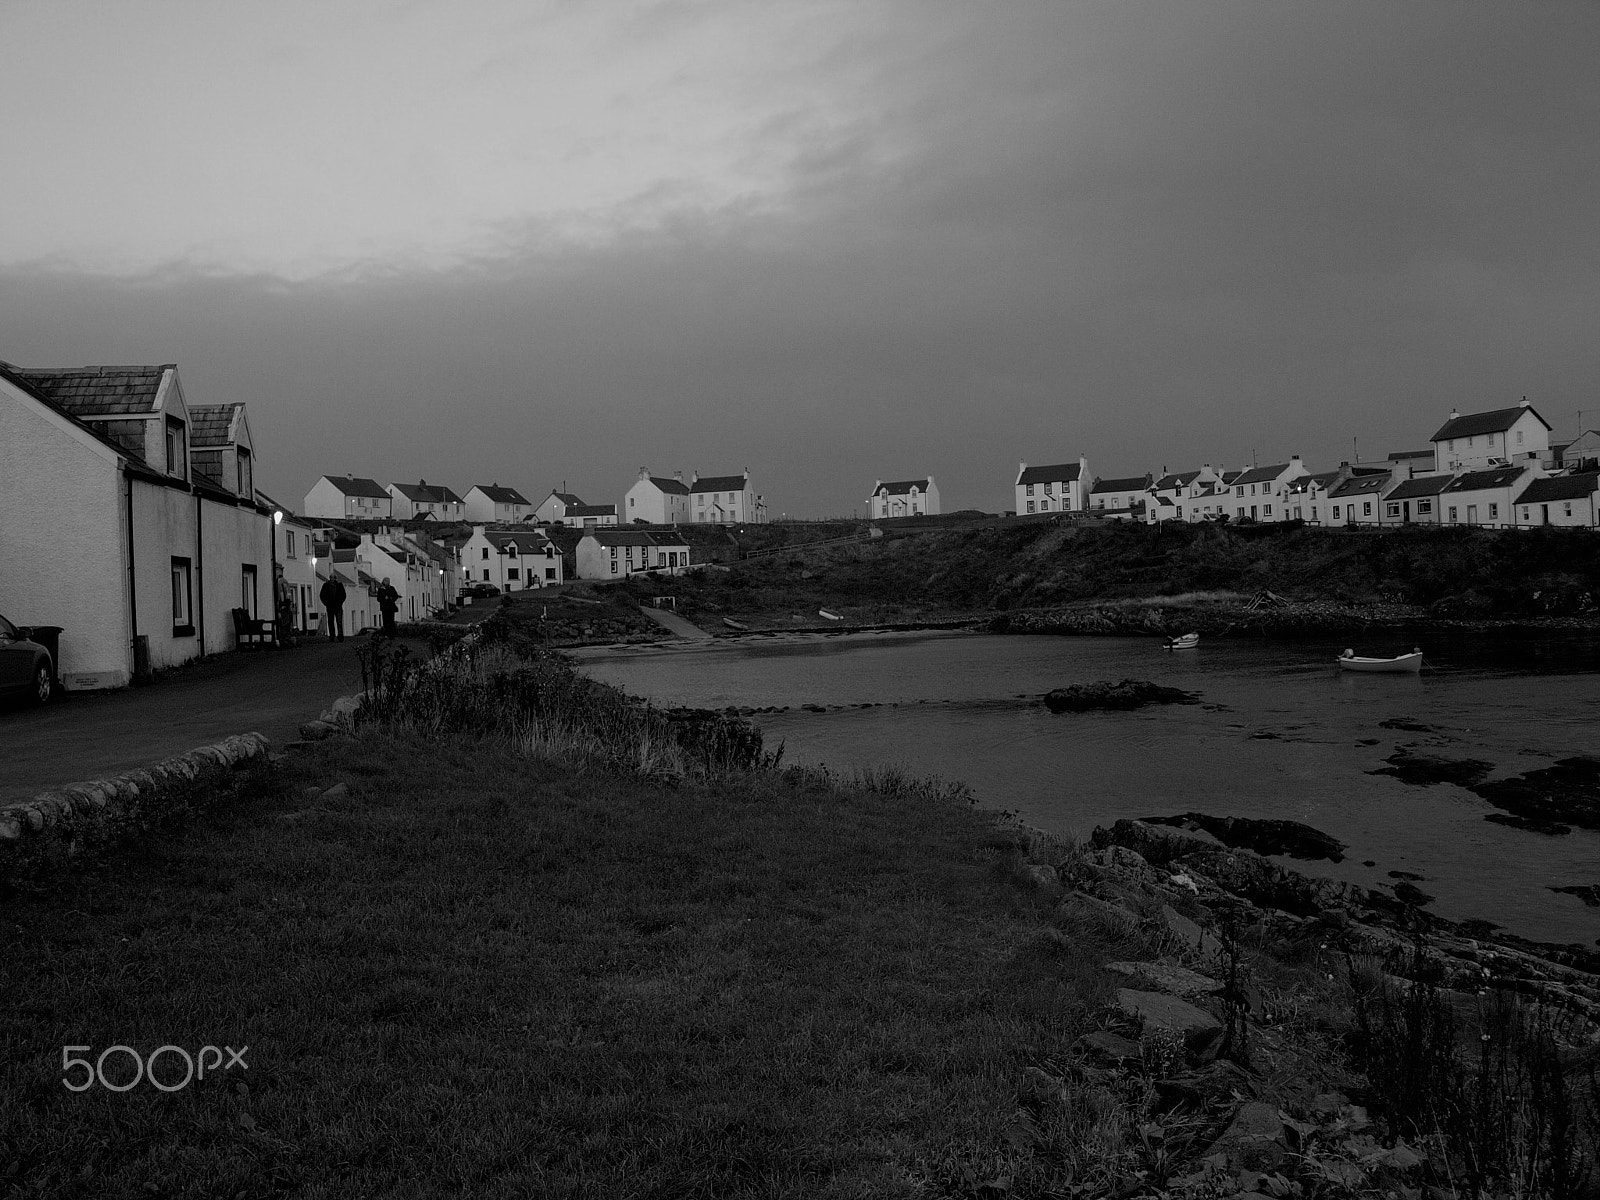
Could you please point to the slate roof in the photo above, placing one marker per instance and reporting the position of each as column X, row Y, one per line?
column 526, row 543
column 1406, row 455
column 1260, row 474
column 1360, row 485
column 423, row 492
column 1229, row 478
column 1321, row 479
column 1474, row 481
column 632, row 537
column 1475, row 424
column 503, row 495
column 1177, row 479
column 903, row 487
column 211, row 425
column 1561, row 487
column 1133, row 483
column 676, row 486
column 1422, row 485
column 1060, row 473
column 591, row 510
column 87, row 392
column 352, row 485
column 565, row 497
column 719, row 483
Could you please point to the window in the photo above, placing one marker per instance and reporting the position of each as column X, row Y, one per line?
column 1524, row 512
column 1030, row 489
column 1391, row 510
column 1450, row 445
column 486, row 574
column 288, row 536
column 247, row 589
column 177, row 449
column 1049, row 489
column 1366, row 508
column 1567, row 508
column 484, row 553
column 1519, row 437
column 1297, row 512
column 1424, row 506
column 1030, row 502
column 1335, row 512
column 1452, row 513
column 1313, row 512
column 182, row 599
column 1494, row 512
column 1266, row 510
column 1241, row 510
column 613, row 567
column 613, row 552
column 549, row 572
column 511, row 573
column 246, row 482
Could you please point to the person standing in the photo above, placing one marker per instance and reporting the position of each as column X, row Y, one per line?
column 389, row 604
column 332, row 595
column 285, row 608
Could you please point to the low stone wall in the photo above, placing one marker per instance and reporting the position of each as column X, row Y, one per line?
column 102, row 802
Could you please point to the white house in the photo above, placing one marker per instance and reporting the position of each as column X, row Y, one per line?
column 221, row 450
column 1358, row 499
column 1568, row 500
column 416, row 576
column 587, row 516
column 554, row 506
column 1172, row 495
column 1503, row 437
column 1416, row 501
column 295, row 542
column 1583, row 452
column 653, row 500
column 488, row 502
column 1485, row 497
column 513, row 561
column 424, row 499
column 347, row 497
column 1258, row 491
column 1408, row 464
column 1120, row 499
column 722, row 499
column 615, row 554
column 907, row 498
column 1063, row 487
column 108, row 530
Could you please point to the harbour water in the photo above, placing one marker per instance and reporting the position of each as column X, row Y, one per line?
column 1279, row 732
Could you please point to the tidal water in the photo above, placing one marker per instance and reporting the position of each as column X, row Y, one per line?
column 1279, row 732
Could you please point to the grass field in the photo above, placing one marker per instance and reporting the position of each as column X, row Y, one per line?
column 485, row 973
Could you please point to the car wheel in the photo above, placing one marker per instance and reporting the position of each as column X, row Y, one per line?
column 43, row 687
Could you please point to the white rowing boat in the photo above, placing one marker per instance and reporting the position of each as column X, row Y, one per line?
column 1184, row 641
column 1398, row 665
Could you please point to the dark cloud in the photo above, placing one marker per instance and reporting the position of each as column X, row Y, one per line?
column 1155, row 234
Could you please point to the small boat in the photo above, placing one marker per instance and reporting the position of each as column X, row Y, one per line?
column 1185, row 641
column 732, row 624
column 1398, row 665
column 828, row 616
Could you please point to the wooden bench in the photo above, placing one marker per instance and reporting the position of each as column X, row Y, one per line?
column 252, row 630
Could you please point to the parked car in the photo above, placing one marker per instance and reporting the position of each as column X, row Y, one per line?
column 480, row 591
column 25, row 667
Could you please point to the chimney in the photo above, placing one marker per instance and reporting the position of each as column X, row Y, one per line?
column 1454, row 413
column 1294, row 458
column 694, row 477
column 678, row 475
column 644, row 472
column 1525, row 403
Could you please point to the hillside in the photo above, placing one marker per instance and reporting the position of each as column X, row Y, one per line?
column 1002, row 567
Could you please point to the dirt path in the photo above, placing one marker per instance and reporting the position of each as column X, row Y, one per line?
column 674, row 624
column 93, row 735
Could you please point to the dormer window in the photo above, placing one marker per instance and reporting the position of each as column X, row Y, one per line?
column 177, row 449
column 246, row 481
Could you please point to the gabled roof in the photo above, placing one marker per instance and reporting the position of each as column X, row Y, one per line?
column 1474, row 481
column 1360, row 485
column 423, row 492
column 903, row 488
column 565, row 497
column 1229, row 478
column 352, row 485
column 1133, row 483
column 634, row 537
column 88, row 392
column 1475, row 424
column 1561, row 487
column 676, row 487
column 720, row 483
column 1260, row 474
column 1422, row 485
column 1060, row 473
column 591, row 510
column 211, row 425
column 502, row 495
column 1177, row 479
column 526, row 543
column 1321, row 479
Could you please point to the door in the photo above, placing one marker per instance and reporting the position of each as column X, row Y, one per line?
column 1405, row 510
column 1472, row 514
column 247, row 591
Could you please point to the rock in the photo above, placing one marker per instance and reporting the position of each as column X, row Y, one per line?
column 1156, row 845
column 1191, row 936
column 1111, row 1046
column 1042, row 876
column 1129, row 694
column 315, row 731
column 1218, row 1080
column 1567, row 792
column 1167, row 977
column 1083, row 910
column 339, row 791
column 1424, row 769
column 1157, row 1011
column 1273, row 836
column 1254, row 1138
column 1126, row 862
column 1589, row 893
column 1410, row 893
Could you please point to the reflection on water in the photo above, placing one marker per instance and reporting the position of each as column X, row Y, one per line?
column 1280, row 732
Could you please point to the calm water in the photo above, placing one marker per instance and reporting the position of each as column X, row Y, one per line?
column 1279, row 733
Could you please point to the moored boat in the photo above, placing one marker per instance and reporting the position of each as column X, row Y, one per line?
column 826, row 615
column 732, row 624
column 1398, row 665
column 1184, row 641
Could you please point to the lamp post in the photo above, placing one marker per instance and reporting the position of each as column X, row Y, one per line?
column 277, row 592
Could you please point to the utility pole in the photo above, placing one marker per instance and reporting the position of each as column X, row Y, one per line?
column 1355, row 445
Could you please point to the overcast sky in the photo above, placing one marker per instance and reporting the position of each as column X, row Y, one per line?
column 829, row 240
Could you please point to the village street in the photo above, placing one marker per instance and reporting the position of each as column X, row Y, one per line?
column 81, row 736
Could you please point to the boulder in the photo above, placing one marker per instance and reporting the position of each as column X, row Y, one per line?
column 1101, row 915
column 1158, row 1011
column 1253, row 1139
column 1128, row 694
column 1112, row 1046
column 1264, row 836
column 1218, row 1081
column 315, row 731
column 1167, row 977
column 1041, row 876
column 1154, row 844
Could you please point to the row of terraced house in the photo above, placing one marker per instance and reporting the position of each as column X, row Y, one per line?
column 1496, row 469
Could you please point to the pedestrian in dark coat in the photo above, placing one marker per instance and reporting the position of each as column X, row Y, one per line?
column 389, row 603
column 332, row 596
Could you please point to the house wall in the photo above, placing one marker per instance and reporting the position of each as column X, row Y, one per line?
column 1486, row 506
column 300, row 570
column 163, row 528
column 644, row 501
column 1475, row 452
column 1566, row 513
column 231, row 538
column 68, row 568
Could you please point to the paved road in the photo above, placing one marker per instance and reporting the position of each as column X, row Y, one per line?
column 92, row 735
